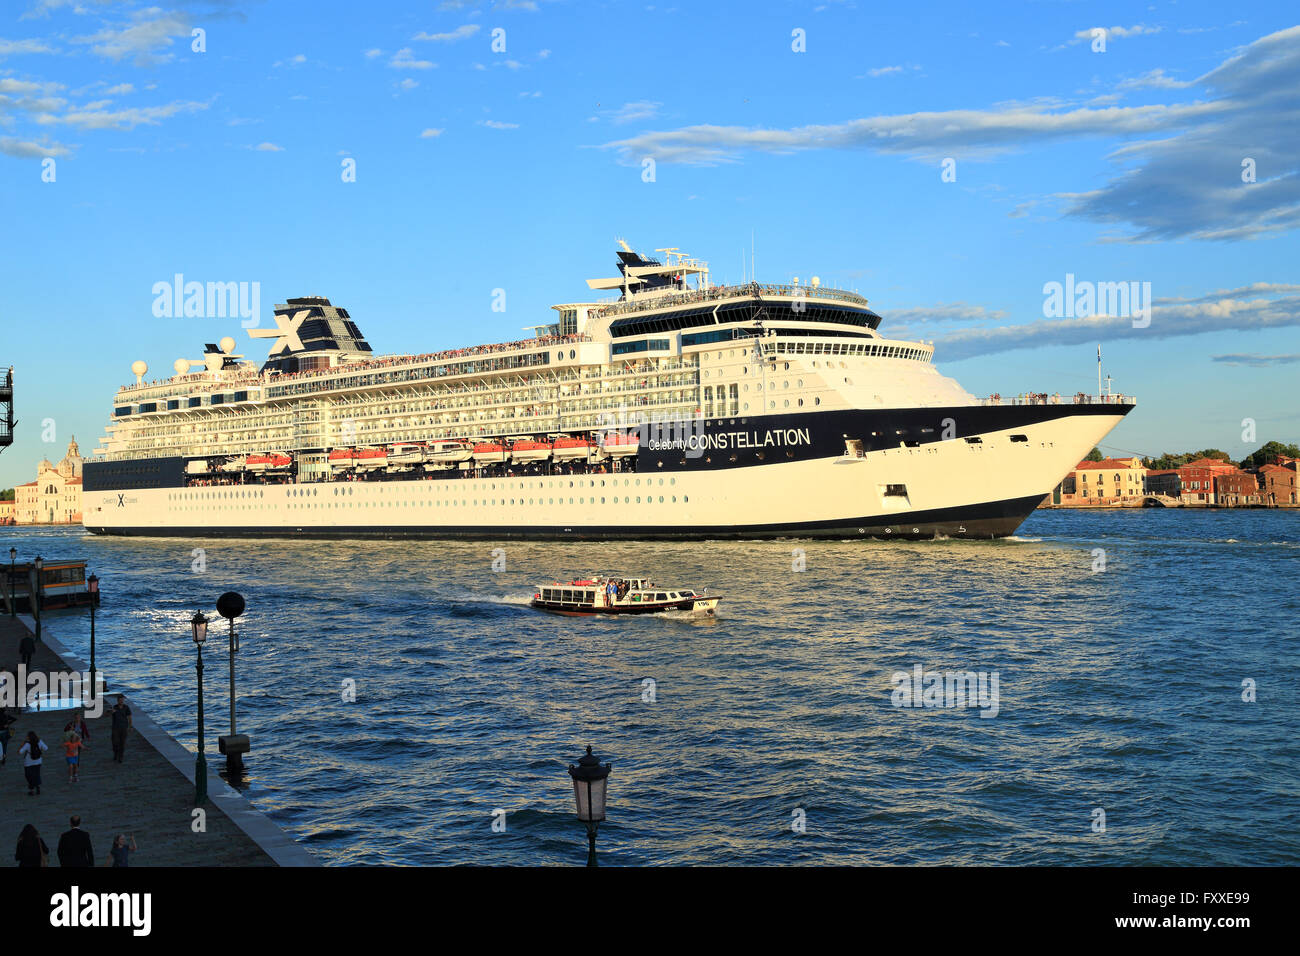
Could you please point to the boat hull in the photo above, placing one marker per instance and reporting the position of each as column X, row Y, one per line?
column 705, row 606
column 798, row 484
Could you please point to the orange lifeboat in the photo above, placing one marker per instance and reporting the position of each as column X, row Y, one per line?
column 621, row 443
column 489, row 451
column 569, row 448
column 528, row 450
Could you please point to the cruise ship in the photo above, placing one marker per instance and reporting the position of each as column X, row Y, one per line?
column 669, row 408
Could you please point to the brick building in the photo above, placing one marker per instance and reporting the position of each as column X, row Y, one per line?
column 1277, row 484
column 1197, row 479
column 1235, row 489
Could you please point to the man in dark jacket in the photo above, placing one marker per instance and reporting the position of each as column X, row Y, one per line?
column 26, row 650
column 121, row 726
column 74, row 846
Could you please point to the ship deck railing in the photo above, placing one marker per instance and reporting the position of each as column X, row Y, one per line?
column 712, row 293
column 1043, row 398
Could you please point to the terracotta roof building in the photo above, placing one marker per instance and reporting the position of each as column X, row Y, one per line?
column 1110, row 481
column 55, row 496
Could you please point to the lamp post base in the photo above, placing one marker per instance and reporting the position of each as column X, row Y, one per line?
column 591, row 847
column 200, row 779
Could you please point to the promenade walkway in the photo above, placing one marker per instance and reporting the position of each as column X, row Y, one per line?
column 148, row 795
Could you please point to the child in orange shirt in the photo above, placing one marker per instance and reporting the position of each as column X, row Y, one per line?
column 72, row 748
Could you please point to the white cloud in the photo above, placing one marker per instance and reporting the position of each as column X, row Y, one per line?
column 14, row 47
column 431, row 133
column 460, row 33
column 152, row 31
column 372, row 53
column 884, row 70
column 1230, row 310
column 1178, row 178
column 1153, row 80
column 267, row 148
column 404, row 59
column 496, row 124
column 1253, row 360
column 21, row 149
column 407, row 84
column 1136, row 30
column 120, row 119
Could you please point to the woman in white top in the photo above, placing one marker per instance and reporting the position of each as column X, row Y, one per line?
column 32, row 751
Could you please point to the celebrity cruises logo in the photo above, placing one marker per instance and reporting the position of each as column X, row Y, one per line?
column 946, row 689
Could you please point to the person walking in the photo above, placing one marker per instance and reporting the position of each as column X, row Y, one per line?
column 5, row 734
column 32, row 752
column 26, row 650
column 31, row 851
column 120, row 727
column 72, row 748
column 123, row 847
column 74, row 846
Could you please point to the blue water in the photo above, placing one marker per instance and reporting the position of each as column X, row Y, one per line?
column 1119, row 689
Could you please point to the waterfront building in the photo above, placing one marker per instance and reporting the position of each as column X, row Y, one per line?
column 7, row 512
column 1236, row 489
column 1197, row 479
column 1277, row 484
column 55, row 496
column 1111, row 481
column 1164, row 481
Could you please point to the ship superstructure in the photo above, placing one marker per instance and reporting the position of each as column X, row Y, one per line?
column 678, row 409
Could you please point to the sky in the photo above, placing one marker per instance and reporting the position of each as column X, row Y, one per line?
column 950, row 161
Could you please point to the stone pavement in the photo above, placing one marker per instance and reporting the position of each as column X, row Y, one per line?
column 151, row 794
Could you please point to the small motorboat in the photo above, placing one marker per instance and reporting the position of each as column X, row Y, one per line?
column 617, row 595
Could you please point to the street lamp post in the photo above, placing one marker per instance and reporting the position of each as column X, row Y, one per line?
column 92, row 588
column 199, row 626
column 230, row 605
column 38, row 564
column 590, row 777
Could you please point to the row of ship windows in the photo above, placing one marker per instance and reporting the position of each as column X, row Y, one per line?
column 429, row 487
column 475, row 503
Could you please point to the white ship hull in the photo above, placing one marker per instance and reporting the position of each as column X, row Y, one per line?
column 953, row 489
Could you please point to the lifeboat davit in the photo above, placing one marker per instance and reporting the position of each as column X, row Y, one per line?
column 372, row 457
column 528, row 450
column 568, row 448
column 620, row 443
column 343, row 458
column 489, row 451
